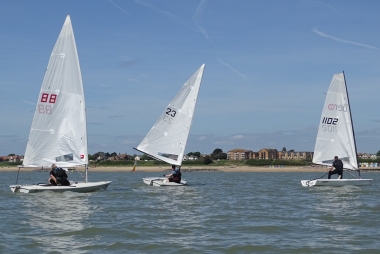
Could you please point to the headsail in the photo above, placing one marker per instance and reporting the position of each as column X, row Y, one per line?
column 58, row 133
column 336, row 134
column 167, row 139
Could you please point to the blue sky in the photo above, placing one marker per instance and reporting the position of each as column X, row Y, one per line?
column 268, row 67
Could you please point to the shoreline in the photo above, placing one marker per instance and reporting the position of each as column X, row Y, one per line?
column 185, row 169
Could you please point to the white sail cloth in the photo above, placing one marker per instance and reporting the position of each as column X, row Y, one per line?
column 335, row 134
column 58, row 133
column 167, row 139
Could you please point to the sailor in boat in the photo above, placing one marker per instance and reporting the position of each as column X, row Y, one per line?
column 58, row 176
column 175, row 176
column 338, row 165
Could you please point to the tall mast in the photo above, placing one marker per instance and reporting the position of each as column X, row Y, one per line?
column 352, row 123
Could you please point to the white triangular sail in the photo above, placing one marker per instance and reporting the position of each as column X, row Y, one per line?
column 336, row 135
column 167, row 139
column 58, row 133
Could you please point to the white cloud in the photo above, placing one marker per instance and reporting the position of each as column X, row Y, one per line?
column 237, row 137
column 119, row 7
column 29, row 102
column 128, row 142
column 342, row 40
column 222, row 142
column 202, row 138
column 233, row 69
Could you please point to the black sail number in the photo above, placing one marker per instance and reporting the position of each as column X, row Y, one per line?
column 171, row 112
column 169, row 115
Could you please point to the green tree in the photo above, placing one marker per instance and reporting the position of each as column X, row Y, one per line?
column 197, row 154
column 207, row 160
column 378, row 154
column 11, row 154
column 217, row 150
column 96, row 155
column 145, row 157
column 218, row 154
column 284, row 149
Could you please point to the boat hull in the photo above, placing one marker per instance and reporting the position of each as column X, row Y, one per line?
column 336, row 182
column 162, row 181
column 74, row 187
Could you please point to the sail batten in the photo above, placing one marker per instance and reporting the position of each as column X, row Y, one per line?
column 58, row 133
column 167, row 139
column 335, row 134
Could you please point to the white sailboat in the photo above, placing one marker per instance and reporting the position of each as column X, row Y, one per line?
column 58, row 134
column 336, row 136
column 167, row 139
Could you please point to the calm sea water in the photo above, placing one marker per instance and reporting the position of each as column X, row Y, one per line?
column 216, row 213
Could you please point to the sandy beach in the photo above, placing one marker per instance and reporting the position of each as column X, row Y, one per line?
column 190, row 169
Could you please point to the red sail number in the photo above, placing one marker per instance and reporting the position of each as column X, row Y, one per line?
column 45, row 97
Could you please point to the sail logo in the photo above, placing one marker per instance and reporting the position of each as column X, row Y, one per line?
column 49, row 99
column 337, row 107
column 329, row 124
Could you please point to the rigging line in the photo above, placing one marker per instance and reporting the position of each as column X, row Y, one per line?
column 348, row 171
column 316, row 178
column 79, row 173
column 18, row 172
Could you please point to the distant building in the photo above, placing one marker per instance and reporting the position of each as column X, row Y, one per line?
column 12, row 158
column 295, row 155
column 268, row 153
column 249, row 155
column 189, row 158
column 236, row 154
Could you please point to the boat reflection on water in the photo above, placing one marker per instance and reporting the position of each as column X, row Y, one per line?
column 58, row 219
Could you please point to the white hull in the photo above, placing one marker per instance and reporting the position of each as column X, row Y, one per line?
column 74, row 187
column 336, row 182
column 162, row 181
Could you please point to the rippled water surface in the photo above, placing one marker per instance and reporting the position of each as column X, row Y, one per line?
column 216, row 213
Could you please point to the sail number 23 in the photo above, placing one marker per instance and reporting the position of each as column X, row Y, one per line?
column 169, row 115
column 48, row 99
column 329, row 124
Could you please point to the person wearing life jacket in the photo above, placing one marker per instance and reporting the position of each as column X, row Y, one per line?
column 58, row 176
column 175, row 176
column 338, row 168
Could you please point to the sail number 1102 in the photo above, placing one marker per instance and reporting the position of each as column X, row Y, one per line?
column 329, row 124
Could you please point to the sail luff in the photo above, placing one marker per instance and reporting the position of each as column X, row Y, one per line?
column 355, row 157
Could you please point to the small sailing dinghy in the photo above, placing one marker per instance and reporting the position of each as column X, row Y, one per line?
column 336, row 136
column 59, row 133
column 167, row 139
